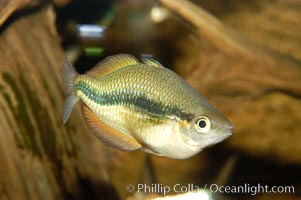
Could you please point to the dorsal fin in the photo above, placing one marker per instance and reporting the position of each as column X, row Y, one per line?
column 152, row 62
column 112, row 63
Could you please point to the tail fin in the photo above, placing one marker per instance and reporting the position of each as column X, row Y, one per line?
column 69, row 75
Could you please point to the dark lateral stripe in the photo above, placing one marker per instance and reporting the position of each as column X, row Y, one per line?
column 127, row 99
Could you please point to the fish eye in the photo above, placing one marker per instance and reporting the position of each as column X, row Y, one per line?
column 202, row 124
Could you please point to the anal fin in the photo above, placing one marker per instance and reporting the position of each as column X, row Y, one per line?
column 107, row 134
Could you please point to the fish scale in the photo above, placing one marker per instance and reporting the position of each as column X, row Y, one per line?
column 131, row 105
column 147, row 99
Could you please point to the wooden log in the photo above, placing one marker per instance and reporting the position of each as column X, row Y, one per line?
column 258, row 89
column 40, row 157
column 8, row 7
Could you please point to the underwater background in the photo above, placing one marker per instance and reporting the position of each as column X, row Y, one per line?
column 243, row 56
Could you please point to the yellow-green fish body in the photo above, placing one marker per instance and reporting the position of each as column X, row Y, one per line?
column 131, row 105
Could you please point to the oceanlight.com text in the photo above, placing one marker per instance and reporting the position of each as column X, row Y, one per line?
column 250, row 189
column 212, row 188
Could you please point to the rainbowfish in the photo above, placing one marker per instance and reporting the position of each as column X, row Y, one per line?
column 131, row 105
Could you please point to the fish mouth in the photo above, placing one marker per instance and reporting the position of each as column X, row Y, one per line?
column 221, row 135
column 229, row 129
column 226, row 132
column 213, row 140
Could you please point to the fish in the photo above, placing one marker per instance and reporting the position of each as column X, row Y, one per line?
column 131, row 105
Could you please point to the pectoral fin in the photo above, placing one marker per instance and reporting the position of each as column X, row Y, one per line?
column 108, row 135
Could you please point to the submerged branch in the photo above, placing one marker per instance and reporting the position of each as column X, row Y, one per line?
column 222, row 37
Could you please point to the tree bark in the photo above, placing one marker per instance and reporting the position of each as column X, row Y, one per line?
column 259, row 90
column 40, row 157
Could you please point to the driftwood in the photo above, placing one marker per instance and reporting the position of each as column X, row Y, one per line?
column 40, row 158
column 258, row 89
column 8, row 7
